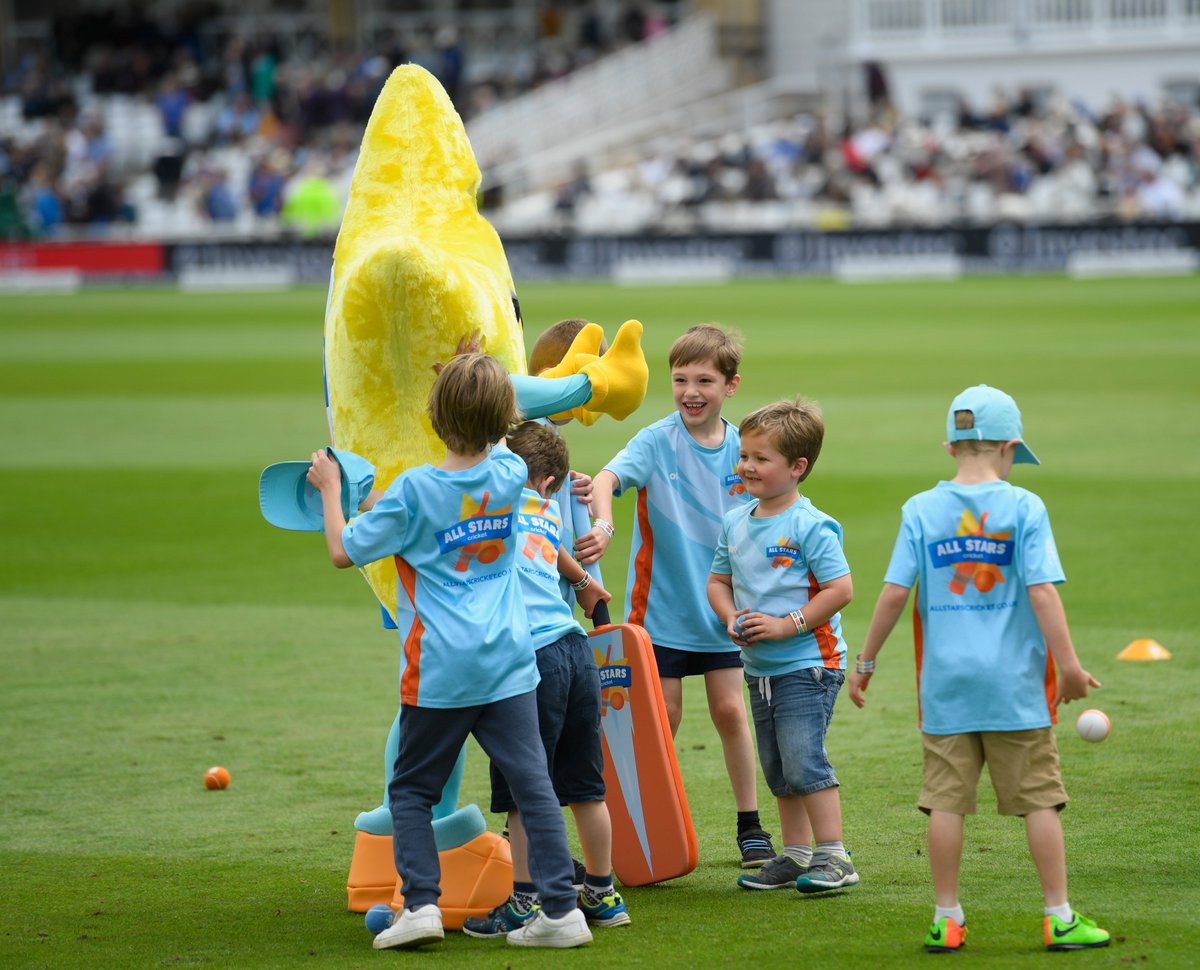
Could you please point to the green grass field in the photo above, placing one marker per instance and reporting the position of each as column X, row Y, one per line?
column 154, row 625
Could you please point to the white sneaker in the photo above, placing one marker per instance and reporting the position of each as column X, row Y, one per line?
column 413, row 927
column 564, row 932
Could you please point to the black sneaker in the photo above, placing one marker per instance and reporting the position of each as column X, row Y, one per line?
column 580, row 872
column 756, row 847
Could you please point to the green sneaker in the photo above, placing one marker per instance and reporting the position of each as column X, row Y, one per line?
column 607, row 911
column 945, row 936
column 1079, row 934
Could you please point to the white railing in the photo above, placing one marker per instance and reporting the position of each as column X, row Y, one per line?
column 941, row 21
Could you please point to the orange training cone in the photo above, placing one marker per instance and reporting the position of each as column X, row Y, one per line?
column 1145, row 650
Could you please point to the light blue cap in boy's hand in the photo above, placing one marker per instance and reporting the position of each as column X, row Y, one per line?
column 997, row 418
column 289, row 502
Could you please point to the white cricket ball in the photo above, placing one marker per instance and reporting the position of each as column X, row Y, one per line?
column 1093, row 725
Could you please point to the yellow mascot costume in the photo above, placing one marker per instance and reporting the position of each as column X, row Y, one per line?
column 416, row 268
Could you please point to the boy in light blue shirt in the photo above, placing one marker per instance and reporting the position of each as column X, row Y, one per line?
column 990, row 629
column 568, row 701
column 467, row 664
column 683, row 469
column 778, row 583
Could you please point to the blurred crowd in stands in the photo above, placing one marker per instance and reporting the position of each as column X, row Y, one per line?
column 1017, row 160
column 167, row 130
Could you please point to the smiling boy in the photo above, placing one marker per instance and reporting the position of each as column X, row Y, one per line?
column 778, row 583
column 684, row 469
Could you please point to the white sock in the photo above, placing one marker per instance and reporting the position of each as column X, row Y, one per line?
column 832, row 848
column 800, row 854
column 1063, row 912
column 955, row 912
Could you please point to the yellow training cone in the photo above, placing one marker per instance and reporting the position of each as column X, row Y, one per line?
column 1145, row 650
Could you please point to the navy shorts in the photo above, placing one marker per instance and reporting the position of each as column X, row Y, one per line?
column 568, row 703
column 682, row 663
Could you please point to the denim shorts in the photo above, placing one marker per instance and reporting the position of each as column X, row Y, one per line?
column 791, row 713
column 568, row 703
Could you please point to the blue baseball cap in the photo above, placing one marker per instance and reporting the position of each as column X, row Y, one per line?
column 997, row 418
column 289, row 502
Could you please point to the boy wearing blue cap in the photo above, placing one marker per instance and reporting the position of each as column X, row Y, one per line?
column 990, row 630
column 451, row 530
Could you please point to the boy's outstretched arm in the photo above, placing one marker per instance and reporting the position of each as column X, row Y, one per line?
column 1073, row 680
column 888, row 608
column 325, row 476
column 590, row 546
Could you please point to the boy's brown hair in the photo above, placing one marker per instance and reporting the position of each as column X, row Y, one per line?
column 550, row 348
column 543, row 450
column 704, row 342
column 472, row 403
column 796, row 428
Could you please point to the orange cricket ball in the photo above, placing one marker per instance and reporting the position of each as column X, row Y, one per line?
column 215, row 778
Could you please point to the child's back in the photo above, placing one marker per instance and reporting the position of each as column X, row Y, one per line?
column 450, row 533
column 984, row 664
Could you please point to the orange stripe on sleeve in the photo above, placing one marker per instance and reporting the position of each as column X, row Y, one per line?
column 410, row 680
column 826, row 641
column 643, row 563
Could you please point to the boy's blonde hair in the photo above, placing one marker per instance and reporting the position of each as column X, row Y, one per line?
column 543, row 450
column 550, row 348
column 796, row 428
column 704, row 342
column 472, row 403
column 970, row 446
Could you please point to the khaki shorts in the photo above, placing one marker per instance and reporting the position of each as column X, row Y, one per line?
column 1023, row 766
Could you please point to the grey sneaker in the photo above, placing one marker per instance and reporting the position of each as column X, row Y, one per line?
column 828, row 872
column 780, row 873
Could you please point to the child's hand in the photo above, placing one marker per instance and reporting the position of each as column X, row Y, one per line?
column 590, row 595
column 734, row 628
column 324, row 473
column 1073, row 685
column 581, row 487
column 759, row 626
column 471, row 343
column 858, row 686
column 590, row 546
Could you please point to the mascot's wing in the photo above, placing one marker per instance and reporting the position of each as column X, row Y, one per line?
column 415, row 268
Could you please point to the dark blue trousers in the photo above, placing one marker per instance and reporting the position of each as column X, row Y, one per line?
column 507, row 730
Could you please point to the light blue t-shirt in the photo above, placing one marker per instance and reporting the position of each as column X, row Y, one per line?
column 539, row 533
column 683, row 490
column 777, row 562
column 972, row 550
column 458, row 603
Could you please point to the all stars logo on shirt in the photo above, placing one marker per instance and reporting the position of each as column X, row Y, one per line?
column 975, row 554
column 543, row 533
column 783, row 553
column 479, row 534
